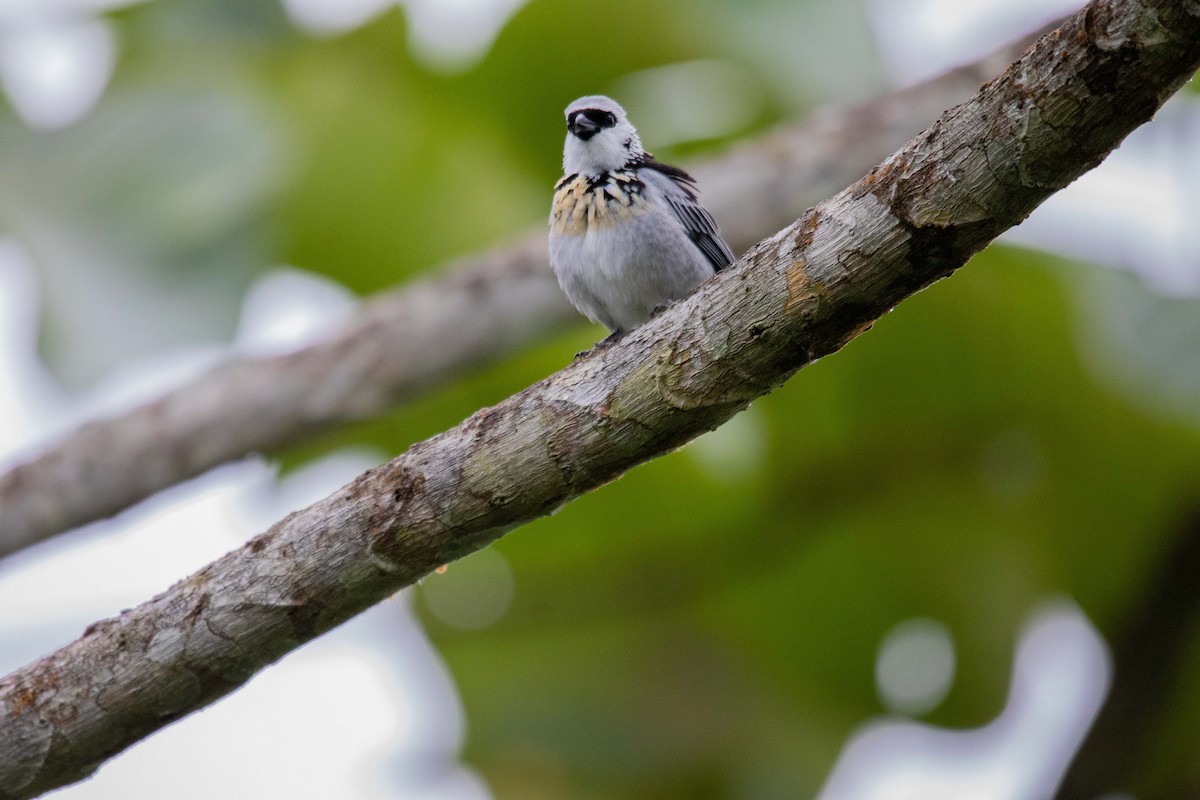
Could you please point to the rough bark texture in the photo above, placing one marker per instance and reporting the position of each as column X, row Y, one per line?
column 797, row 296
column 405, row 342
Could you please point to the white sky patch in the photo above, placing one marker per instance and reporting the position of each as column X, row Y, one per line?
column 327, row 17
column 454, row 35
column 289, row 309
column 444, row 35
column 29, row 395
column 919, row 39
column 22, row 11
column 1138, row 209
column 56, row 57
column 1060, row 678
column 55, row 72
column 691, row 100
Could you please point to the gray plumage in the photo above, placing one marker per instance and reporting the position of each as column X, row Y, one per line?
column 627, row 234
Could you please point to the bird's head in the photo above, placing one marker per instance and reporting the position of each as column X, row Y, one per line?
column 599, row 137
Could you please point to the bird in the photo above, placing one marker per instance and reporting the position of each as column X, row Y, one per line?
column 628, row 235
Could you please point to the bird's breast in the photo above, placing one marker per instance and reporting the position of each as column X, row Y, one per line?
column 585, row 203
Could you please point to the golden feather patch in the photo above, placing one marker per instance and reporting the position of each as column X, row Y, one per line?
column 582, row 203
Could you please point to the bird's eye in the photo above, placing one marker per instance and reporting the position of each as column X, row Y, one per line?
column 586, row 122
column 596, row 116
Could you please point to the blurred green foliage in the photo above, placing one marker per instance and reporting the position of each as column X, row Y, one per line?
column 706, row 626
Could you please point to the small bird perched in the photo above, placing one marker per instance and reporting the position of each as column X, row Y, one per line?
column 627, row 235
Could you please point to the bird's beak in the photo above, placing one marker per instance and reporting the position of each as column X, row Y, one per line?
column 582, row 127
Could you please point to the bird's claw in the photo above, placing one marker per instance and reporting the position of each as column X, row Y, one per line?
column 603, row 344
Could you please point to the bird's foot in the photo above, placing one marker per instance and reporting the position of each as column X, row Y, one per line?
column 658, row 309
column 603, row 344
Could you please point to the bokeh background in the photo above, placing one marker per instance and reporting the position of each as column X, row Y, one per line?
column 915, row 571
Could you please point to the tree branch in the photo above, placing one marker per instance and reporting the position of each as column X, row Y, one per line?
column 795, row 297
column 408, row 341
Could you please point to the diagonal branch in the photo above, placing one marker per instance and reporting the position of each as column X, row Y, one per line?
column 408, row 341
column 803, row 293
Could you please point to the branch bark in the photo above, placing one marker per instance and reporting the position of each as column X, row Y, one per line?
column 408, row 341
column 799, row 295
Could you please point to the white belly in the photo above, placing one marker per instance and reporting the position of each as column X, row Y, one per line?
column 618, row 273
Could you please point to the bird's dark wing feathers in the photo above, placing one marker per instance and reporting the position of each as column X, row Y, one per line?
column 699, row 224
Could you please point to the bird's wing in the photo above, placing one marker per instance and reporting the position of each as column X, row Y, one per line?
column 700, row 226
